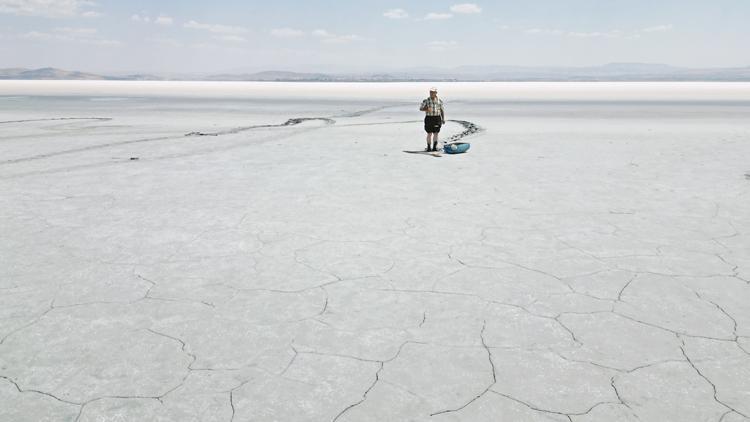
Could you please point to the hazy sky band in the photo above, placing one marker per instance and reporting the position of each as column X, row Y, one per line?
column 327, row 36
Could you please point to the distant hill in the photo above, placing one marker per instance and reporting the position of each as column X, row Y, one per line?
column 493, row 73
column 50, row 73
column 608, row 72
column 271, row 75
column 46, row 73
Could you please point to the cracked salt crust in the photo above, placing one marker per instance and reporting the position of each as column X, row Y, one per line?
column 297, row 266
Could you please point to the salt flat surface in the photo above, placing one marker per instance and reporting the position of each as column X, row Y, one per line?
column 474, row 91
column 187, row 252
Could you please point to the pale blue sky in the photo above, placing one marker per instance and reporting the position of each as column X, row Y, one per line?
column 327, row 35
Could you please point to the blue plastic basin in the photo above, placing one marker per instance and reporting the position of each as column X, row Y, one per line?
column 456, row 148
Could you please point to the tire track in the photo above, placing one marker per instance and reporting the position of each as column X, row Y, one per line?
column 291, row 122
column 288, row 123
column 82, row 149
column 56, row 119
column 367, row 111
column 469, row 130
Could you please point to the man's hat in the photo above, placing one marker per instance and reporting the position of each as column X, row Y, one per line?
column 433, row 89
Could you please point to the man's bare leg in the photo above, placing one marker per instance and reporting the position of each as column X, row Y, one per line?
column 434, row 141
column 428, row 140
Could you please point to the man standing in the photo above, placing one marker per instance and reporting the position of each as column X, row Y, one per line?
column 434, row 118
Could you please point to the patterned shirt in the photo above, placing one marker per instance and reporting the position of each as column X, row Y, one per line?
column 436, row 106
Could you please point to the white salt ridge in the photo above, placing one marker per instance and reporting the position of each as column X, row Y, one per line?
column 557, row 91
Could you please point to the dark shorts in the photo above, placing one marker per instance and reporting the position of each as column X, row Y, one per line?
column 432, row 124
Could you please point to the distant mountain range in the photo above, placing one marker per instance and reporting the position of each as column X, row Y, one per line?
column 608, row 72
column 50, row 73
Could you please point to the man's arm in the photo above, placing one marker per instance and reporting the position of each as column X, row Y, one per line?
column 442, row 115
column 423, row 107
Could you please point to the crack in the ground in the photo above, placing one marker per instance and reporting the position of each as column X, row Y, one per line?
column 676, row 332
column 424, row 318
column 231, row 398
column 231, row 403
column 325, row 305
column 514, row 264
column 23, row 390
column 619, row 294
column 291, row 361
column 364, row 395
column 727, row 413
column 566, row 328
column 147, row 295
column 552, row 412
column 617, row 392
column 723, row 311
column 745, row 351
column 193, row 359
column 34, row 321
column 713, row 386
column 377, row 373
column 607, row 367
column 494, row 378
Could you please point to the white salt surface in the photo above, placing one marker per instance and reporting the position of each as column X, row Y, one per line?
column 604, row 91
column 587, row 260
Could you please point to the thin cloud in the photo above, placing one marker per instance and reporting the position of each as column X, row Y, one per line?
column 543, row 31
column 466, row 8
column 204, row 45
column 396, row 14
column 67, row 34
column 36, row 35
column 230, row 38
column 139, row 18
column 168, row 42
column 437, row 16
column 658, row 28
column 45, row 8
column 91, row 14
column 212, row 47
column 441, row 45
column 160, row 20
column 83, row 32
column 615, row 33
column 164, row 20
column 101, row 42
column 215, row 28
column 342, row 39
column 596, row 34
column 322, row 33
column 331, row 38
column 287, row 33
